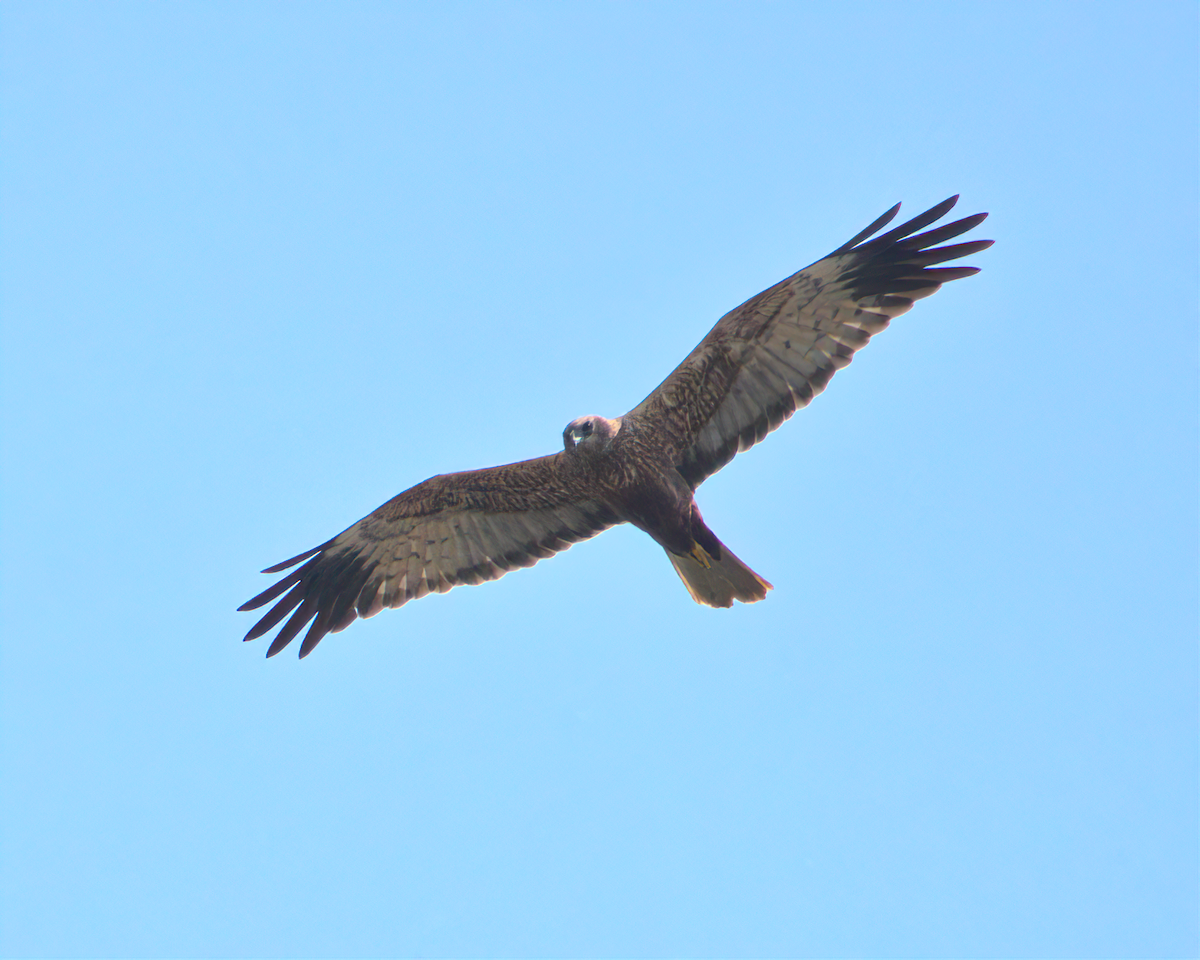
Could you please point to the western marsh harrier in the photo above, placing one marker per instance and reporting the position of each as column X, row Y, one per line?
column 757, row 366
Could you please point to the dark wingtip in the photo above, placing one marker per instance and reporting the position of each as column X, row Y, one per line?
column 296, row 559
column 316, row 633
column 877, row 225
column 276, row 646
column 971, row 222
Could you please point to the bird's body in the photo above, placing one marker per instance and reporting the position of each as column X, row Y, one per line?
column 643, row 486
column 757, row 366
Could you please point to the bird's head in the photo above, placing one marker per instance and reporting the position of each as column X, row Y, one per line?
column 590, row 433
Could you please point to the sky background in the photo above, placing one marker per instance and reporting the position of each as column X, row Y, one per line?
column 265, row 265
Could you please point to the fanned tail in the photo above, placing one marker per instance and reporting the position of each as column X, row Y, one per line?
column 717, row 583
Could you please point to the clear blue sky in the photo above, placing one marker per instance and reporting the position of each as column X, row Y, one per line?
column 266, row 265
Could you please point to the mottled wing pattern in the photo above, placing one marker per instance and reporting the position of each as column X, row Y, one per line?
column 452, row 529
column 774, row 353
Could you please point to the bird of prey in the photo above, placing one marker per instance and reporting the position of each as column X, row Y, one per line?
column 757, row 366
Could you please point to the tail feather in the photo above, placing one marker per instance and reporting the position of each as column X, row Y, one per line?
column 717, row 583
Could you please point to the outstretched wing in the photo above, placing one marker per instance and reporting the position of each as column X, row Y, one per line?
column 455, row 528
column 774, row 353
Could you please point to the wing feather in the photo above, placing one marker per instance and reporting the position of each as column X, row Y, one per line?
column 773, row 354
column 450, row 530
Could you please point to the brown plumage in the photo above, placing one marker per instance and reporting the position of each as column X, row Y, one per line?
column 757, row 366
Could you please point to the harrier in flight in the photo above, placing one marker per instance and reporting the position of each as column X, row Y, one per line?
column 756, row 367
